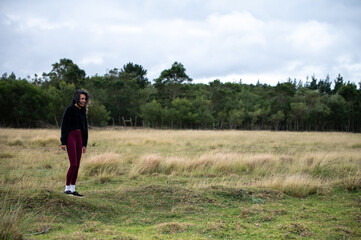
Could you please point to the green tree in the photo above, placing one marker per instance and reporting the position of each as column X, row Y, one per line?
column 224, row 98
column 138, row 72
column 183, row 114
column 121, row 93
column 339, row 111
column 151, row 112
column 350, row 94
column 201, row 107
column 324, row 86
column 299, row 114
column 259, row 117
column 65, row 71
column 276, row 119
column 98, row 115
column 169, row 83
column 248, row 102
column 235, row 118
column 338, row 84
column 22, row 104
column 313, row 84
column 60, row 98
column 132, row 94
column 319, row 114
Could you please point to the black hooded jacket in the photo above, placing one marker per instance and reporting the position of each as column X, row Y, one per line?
column 73, row 119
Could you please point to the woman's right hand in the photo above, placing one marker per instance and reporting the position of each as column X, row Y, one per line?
column 63, row 147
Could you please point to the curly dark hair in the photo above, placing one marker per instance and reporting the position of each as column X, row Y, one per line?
column 77, row 94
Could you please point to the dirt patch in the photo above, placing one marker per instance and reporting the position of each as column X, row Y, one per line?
column 162, row 197
column 172, row 227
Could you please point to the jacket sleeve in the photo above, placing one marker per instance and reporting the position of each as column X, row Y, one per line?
column 65, row 126
column 85, row 133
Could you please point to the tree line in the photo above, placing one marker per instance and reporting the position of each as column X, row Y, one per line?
column 126, row 96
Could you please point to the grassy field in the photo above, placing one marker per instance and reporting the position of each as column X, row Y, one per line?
column 163, row 184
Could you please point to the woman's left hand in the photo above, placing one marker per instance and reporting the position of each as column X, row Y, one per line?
column 84, row 149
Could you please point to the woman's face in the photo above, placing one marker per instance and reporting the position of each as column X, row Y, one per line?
column 82, row 100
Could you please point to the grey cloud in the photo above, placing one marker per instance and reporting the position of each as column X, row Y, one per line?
column 265, row 40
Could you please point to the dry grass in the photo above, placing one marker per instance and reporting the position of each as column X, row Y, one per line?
column 295, row 185
column 9, row 220
column 162, row 179
column 43, row 142
column 110, row 163
column 295, row 163
column 146, row 165
column 350, row 183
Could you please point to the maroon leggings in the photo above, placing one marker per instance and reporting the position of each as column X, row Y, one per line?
column 74, row 146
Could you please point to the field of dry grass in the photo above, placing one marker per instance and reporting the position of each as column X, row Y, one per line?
column 297, row 164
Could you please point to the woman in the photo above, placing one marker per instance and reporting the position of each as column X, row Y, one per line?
column 74, row 137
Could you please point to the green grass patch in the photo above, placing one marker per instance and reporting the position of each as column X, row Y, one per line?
column 6, row 155
column 148, row 184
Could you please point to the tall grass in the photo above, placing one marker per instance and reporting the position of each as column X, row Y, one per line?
column 295, row 163
column 350, row 183
column 10, row 220
column 110, row 163
column 33, row 169
column 296, row 185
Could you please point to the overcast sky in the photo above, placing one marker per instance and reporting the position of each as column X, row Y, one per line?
column 229, row 40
